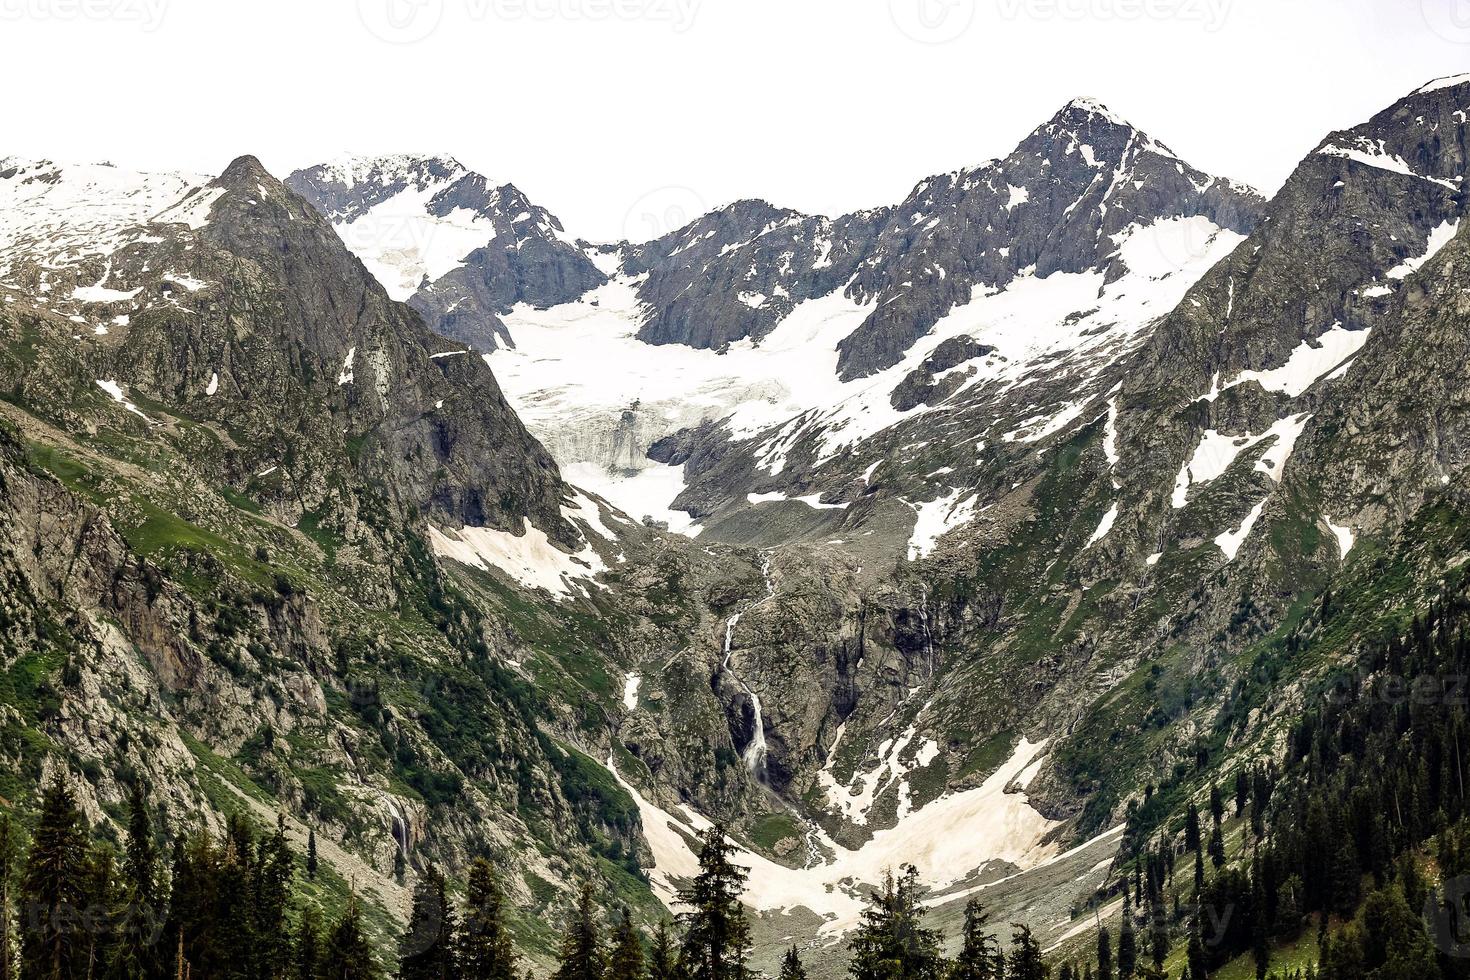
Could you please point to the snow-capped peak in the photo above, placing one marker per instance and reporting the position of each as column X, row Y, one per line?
column 1449, row 81
column 1092, row 107
column 417, row 170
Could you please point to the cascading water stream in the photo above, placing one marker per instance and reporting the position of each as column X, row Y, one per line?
column 754, row 755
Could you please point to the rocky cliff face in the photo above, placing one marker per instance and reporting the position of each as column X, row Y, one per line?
column 1057, row 203
column 442, row 238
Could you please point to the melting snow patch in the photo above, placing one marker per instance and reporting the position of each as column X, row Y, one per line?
column 1344, row 535
column 1371, row 153
column 1153, row 559
column 1230, row 541
column 213, row 384
column 114, row 390
column 630, row 691
column 344, row 377
column 1307, row 363
column 188, row 282
column 1103, row 527
column 1449, row 81
column 945, row 841
column 101, row 294
column 1215, row 452
column 530, row 558
column 1438, row 239
column 938, row 517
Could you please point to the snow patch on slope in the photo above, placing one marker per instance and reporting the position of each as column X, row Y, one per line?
column 937, row 518
column 945, row 841
column 529, row 558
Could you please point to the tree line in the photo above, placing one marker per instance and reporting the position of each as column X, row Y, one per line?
column 1343, row 836
column 229, row 907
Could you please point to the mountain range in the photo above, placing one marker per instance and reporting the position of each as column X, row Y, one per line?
column 985, row 532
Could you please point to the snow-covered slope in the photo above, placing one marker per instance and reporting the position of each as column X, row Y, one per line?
column 60, row 214
column 1017, row 298
column 455, row 245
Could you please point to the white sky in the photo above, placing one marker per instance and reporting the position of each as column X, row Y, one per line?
column 624, row 116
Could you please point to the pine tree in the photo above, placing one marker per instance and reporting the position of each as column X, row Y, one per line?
column 791, row 968
column 891, row 940
column 426, row 950
column 1191, row 828
column 138, row 922
column 626, row 961
column 663, row 961
column 1025, row 962
column 1127, row 944
column 485, row 951
column 980, row 956
column 716, row 933
column 275, row 869
column 1198, row 969
column 1104, row 954
column 1217, row 848
column 581, row 955
column 54, row 891
column 348, row 956
column 10, row 858
column 311, row 860
column 306, row 956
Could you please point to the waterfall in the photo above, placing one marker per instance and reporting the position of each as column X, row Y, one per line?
column 754, row 755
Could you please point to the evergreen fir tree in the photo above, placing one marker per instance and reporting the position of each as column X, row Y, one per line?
column 980, row 956
column 54, row 891
column 1217, row 848
column 716, row 933
column 1104, row 954
column 10, row 860
column 626, row 962
column 306, row 956
column 581, row 956
column 891, row 940
column 138, row 922
column 1025, row 961
column 311, row 859
column 485, row 948
column 663, row 960
column 426, row 950
column 348, row 956
column 791, row 967
column 1127, row 944
column 274, row 876
column 1198, row 969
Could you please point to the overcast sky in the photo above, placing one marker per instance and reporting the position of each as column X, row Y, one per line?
column 623, row 116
